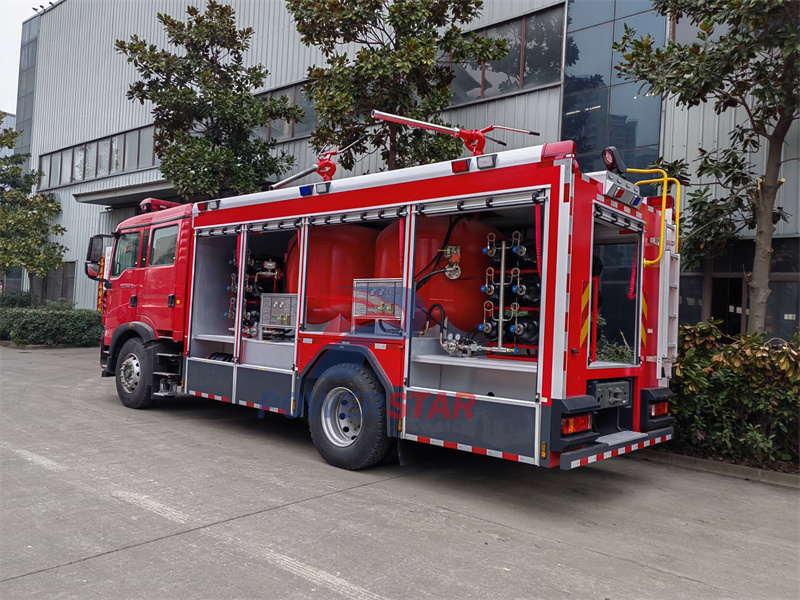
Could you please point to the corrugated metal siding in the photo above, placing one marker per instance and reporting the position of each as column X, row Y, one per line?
column 687, row 130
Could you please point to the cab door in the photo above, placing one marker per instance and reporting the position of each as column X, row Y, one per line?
column 122, row 295
column 160, row 301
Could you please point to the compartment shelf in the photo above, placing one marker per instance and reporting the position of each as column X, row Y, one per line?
column 497, row 364
column 211, row 337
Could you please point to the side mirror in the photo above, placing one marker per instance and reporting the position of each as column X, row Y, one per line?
column 95, row 254
column 93, row 270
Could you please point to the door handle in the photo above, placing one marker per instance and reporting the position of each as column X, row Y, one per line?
column 134, row 301
column 171, row 301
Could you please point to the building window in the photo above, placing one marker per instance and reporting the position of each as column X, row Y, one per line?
column 281, row 130
column 534, row 45
column 90, row 158
column 146, row 147
column 60, row 283
column 119, row 153
column 66, row 166
column 131, row 150
column 116, row 153
column 78, row 162
column 44, row 167
column 103, row 154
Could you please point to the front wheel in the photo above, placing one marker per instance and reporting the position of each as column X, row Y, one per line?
column 133, row 376
column 347, row 417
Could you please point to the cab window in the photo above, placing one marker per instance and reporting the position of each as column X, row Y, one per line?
column 126, row 253
column 162, row 247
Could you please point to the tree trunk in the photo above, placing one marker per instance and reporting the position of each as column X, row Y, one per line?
column 759, row 279
column 762, row 259
column 30, row 289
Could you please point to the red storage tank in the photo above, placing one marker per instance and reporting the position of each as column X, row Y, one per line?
column 461, row 298
column 336, row 255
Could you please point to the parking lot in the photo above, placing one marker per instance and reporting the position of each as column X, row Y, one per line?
column 198, row 499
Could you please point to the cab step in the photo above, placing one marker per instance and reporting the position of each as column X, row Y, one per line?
column 165, row 374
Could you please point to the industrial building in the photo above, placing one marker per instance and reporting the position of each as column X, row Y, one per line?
column 96, row 147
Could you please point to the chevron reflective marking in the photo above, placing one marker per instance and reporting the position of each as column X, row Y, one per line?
column 473, row 449
column 209, row 396
column 612, row 453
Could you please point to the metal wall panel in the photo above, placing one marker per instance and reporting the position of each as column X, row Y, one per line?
column 687, row 130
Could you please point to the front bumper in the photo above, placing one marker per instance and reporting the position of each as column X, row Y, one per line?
column 601, row 451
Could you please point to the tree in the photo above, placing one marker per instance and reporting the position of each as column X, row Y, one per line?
column 26, row 218
column 401, row 66
column 206, row 116
column 745, row 56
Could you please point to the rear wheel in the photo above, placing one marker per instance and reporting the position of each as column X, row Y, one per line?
column 132, row 376
column 347, row 417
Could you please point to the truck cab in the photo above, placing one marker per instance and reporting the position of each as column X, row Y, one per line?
column 143, row 275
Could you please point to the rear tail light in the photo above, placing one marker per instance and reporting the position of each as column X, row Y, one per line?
column 570, row 425
column 659, row 409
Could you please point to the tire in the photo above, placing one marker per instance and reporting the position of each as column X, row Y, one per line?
column 347, row 417
column 133, row 376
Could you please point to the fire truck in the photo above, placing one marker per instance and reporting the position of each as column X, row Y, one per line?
column 504, row 304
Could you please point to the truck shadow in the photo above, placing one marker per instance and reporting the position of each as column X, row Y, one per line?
column 451, row 473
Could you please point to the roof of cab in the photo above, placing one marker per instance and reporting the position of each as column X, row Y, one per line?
column 157, row 216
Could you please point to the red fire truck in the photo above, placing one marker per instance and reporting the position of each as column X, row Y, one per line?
column 503, row 304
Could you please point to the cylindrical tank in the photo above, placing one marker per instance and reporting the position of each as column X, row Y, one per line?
column 337, row 255
column 461, row 298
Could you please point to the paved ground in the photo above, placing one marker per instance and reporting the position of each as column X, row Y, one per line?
column 196, row 499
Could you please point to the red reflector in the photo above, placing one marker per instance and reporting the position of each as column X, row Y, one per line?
column 577, row 424
column 202, row 206
column 659, row 409
column 460, row 166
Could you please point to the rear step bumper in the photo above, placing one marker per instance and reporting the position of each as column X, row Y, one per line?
column 595, row 452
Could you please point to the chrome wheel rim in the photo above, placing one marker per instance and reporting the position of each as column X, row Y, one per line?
column 341, row 417
column 130, row 372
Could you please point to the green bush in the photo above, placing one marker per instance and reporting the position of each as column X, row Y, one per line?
column 15, row 299
column 737, row 398
column 33, row 326
column 60, row 304
column 8, row 317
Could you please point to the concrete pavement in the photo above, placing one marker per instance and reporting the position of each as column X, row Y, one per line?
column 198, row 499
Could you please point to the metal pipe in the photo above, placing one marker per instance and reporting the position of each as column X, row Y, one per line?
column 376, row 114
column 295, row 177
column 501, row 300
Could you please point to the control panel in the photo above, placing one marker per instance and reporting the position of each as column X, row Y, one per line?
column 377, row 298
column 278, row 311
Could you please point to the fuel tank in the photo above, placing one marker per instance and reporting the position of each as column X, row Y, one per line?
column 461, row 298
column 336, row 255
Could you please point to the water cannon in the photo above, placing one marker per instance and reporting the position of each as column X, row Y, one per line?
column 325, row 167
column 474, row 139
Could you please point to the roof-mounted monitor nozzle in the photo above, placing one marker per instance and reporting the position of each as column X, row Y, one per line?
column 474, row 139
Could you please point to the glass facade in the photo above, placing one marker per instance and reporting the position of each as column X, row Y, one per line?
column 601, row 108
column 534, row 43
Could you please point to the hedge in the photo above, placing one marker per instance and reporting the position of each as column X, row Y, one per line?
column 15, row 299
column 737, row 398
column 51, row 326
